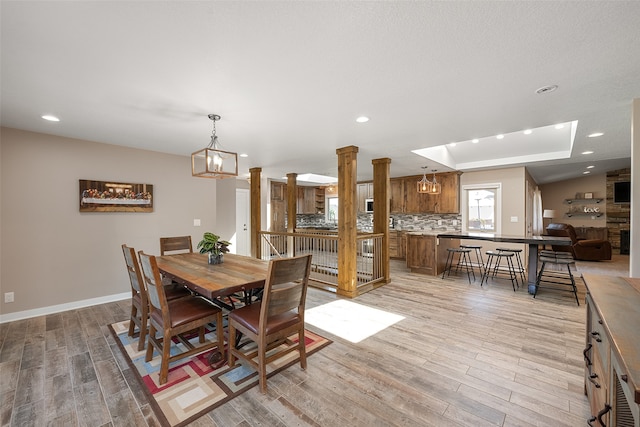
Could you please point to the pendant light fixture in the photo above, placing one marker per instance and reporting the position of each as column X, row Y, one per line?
column 435, row 186
column 212, row 162
column 424, row 185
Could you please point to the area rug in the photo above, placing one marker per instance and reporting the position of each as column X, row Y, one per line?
column 194, row 387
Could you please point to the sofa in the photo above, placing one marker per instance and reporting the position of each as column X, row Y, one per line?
column 581, row 249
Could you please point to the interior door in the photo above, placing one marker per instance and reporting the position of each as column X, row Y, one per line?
column 243, row 225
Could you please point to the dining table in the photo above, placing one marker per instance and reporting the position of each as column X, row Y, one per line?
column 534, row 243
column 237, row 273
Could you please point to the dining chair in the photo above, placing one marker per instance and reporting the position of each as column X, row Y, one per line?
column 139, row 300
column 173, row 319
column 277, row 317
column 181, row 244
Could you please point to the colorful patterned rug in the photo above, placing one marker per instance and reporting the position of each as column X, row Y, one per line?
column 194, row 387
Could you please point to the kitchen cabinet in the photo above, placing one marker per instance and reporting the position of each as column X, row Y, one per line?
column 319, row 195
column 612, row 352
column 396, row 202
column 406, row 199
column 427, row 254
column 278, row 207
column 306, row 200
column 397, row 244
column 364, row 191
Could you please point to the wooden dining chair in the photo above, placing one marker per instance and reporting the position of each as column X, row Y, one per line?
column 176, row 318
column 139, row 300
column 181, row 244
column 280, row 315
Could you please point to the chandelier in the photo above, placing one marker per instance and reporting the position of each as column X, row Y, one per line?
column 212, row 162
column 424, row 185
column 435, row 186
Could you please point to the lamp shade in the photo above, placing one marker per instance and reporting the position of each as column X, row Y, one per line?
column 548, row 213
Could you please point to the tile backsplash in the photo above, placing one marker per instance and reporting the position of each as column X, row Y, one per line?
column 410, row 222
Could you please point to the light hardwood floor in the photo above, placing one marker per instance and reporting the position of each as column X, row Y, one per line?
column 464, row 355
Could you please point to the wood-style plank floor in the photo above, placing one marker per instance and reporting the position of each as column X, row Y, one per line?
column 464, row 355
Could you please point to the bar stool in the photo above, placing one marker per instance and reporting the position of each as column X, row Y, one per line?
column 518, row 260
column 464, row 260
column 556, row 277
column 495, row 258
column 478, row 252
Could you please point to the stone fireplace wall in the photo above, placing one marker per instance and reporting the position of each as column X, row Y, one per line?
column 618, row 215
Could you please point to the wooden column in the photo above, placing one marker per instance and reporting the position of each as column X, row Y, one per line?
column 292, row 210
column 381, row 210
column 256, row 215
column 347, row 220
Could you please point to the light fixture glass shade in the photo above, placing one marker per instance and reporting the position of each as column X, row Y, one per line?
column 436, row 188
column 212, row 162
column 424, row 185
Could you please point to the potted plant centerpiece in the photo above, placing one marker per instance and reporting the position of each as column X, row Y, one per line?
column 215, row 247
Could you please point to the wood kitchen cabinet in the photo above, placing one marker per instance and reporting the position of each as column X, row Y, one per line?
column 406, row 199
column 364, row 192
column 278, row 206
column 397, row 244
column 421, row 256
column 612, row 352
column 306, row 200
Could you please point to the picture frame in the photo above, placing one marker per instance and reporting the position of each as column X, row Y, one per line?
column 588, row 195
column 111, row 196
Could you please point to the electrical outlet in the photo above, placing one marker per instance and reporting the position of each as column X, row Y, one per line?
column 196, row 223
column 8, row 297
column 439, row 222
column 454, row 222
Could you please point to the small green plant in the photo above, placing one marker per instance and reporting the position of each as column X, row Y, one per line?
column 212, row 244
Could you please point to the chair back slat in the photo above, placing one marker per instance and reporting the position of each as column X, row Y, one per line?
column 135, row 276
column 175, row 244
column 286, row 286
column 153, row 282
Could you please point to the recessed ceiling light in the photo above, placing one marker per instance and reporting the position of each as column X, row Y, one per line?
column 595, row 134
column 501, row 136
column 586, row 172
column 528, row 132
column 590, row 167
column 546, row 89
column 244, row 155
column 362, row 119
column 587, row 152
column 560, row 126
column 50, row 118
column 475, row 140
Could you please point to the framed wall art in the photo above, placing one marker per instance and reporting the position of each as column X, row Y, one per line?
column 109, row 196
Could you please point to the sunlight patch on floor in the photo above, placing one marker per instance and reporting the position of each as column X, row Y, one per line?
column 349, row 320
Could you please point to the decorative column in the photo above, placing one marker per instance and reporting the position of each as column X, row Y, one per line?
column 292, row 210
column 381, row 211
column 256, row 225
column 347, row 221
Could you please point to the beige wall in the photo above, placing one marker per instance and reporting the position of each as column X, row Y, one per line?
column 554, row 195
column 513, row 204
column 52, row 254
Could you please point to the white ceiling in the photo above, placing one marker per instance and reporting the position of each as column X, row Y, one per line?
column 290, row 78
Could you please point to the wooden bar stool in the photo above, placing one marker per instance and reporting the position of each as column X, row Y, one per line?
column 478, row 252
column 493, row 265
column 517, row 252
column 464, row 260
column 556, row 278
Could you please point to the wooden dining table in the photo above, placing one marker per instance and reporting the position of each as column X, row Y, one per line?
column 235, row 274
column 214, row 281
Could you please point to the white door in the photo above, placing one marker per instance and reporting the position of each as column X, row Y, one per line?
column 243, row 225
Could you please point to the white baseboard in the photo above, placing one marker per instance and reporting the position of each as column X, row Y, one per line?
column 10, row 317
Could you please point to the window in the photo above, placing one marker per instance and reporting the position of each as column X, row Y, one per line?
column 481, row 208
column 332, row 209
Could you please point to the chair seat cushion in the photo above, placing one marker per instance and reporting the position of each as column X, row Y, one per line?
column 185, row 310
column 249, row 317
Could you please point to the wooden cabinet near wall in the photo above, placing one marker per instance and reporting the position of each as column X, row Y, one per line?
column 364, row 192
column 406, row 199
column 319, row 195
column 612, row 351
column 397, row 244
column 278, row 206
column 306, row 200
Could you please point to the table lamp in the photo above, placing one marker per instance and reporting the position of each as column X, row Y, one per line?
column 548, row 213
